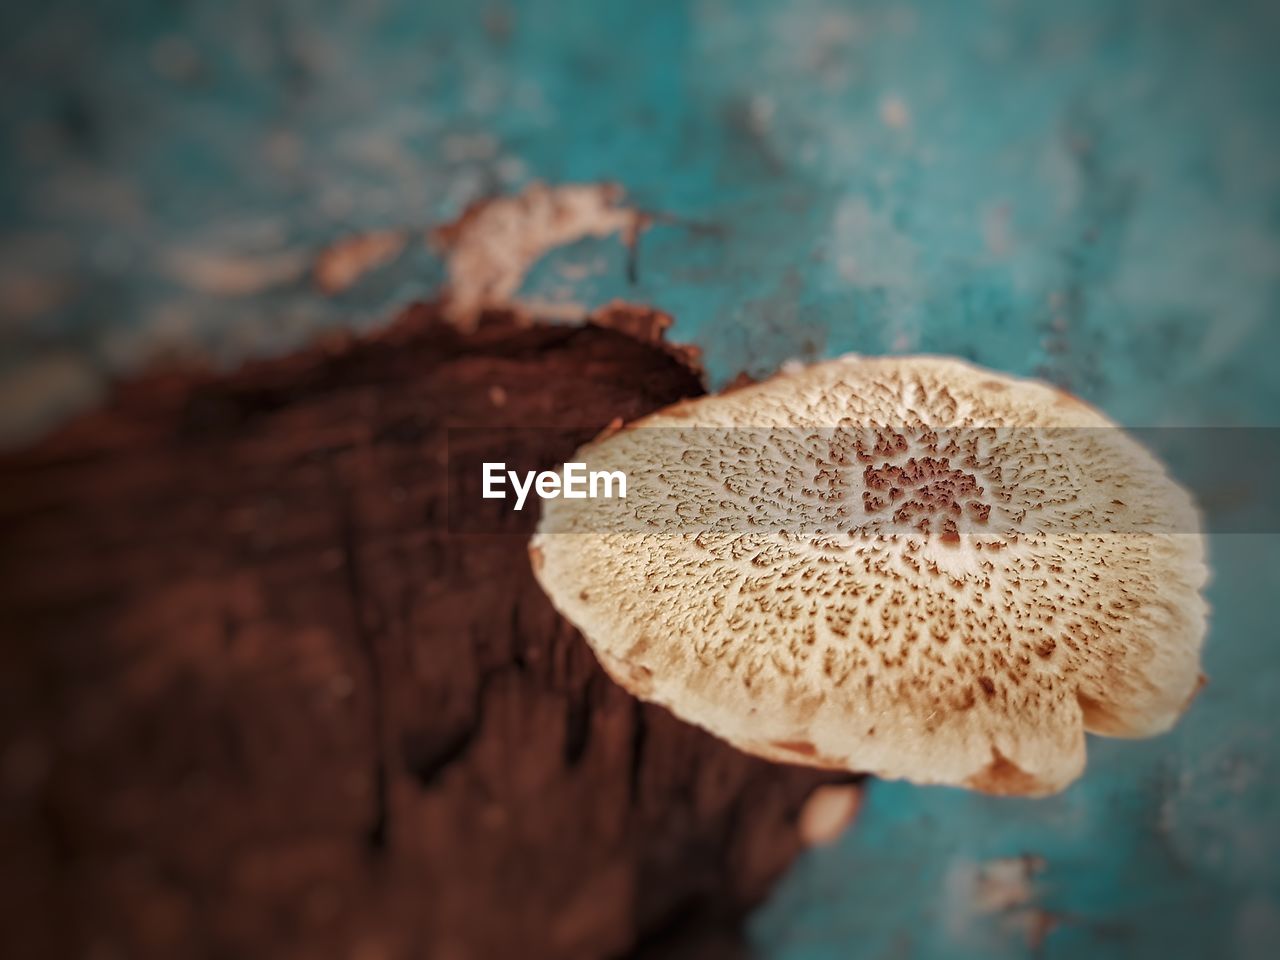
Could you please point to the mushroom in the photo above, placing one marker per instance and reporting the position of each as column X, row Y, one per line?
column 911, row 567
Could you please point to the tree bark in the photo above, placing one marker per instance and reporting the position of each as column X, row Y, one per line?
column 263, row 694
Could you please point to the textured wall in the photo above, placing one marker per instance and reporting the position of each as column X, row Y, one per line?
column 1089, row 191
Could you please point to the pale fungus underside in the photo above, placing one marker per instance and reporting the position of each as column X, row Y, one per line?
column 910, row 567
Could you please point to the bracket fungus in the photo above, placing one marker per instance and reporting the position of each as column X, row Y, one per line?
column 910, row 567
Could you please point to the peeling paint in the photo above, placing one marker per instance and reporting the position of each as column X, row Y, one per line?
column 228, row 274
column 493, row 244
column 827, row 813
column 341, row 264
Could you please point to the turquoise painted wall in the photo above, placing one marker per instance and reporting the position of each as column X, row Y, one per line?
column 1086, row 191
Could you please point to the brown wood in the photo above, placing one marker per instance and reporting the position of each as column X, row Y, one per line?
column 258, row 700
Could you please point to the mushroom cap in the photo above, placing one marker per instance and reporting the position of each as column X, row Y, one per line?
column 911, row 567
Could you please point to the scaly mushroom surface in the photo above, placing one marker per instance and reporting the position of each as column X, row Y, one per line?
column 911, row 567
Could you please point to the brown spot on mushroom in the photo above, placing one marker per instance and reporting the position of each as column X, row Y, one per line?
column 612, row 428
column 1002, row 777
column 802, row 747
column 1201, row 681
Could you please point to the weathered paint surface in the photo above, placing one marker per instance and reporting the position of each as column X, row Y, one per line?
column 1089, row 191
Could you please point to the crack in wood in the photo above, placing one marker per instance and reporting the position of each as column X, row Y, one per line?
column 379, row 828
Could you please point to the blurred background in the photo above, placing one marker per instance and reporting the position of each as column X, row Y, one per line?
column 1088, row 192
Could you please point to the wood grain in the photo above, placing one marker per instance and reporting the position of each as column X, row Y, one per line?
column 257, row 700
